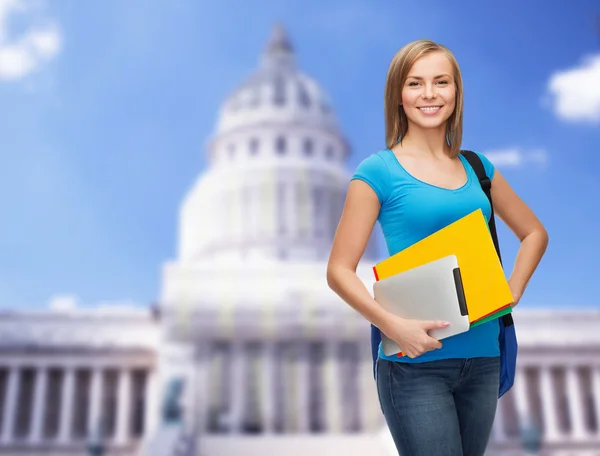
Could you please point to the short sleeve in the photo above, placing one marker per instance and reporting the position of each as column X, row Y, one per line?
column 374, row 171
column 487, row 165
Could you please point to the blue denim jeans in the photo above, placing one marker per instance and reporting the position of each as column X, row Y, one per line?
column 439, row 408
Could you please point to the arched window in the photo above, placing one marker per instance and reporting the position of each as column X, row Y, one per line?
column 303, row 97
column 329, row 152
column 280, row 145
column 279, row 91
column 253, row 146
column 308, row 147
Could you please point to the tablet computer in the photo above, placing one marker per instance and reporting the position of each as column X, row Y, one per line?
column 432, row 291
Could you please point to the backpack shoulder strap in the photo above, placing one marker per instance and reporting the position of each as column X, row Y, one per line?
column 486, row 185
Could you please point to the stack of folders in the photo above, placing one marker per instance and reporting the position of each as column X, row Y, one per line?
column 453, row 275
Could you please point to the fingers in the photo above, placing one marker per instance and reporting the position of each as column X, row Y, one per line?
column 425, row 346
column 434, row 324
column 421, row 341
column 434, row 343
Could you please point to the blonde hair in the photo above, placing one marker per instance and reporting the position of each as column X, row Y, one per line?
column 396, row 122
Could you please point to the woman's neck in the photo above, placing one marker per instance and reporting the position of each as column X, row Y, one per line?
column 430, row 141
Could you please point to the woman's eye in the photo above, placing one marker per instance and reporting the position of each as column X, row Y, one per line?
column 416, row 83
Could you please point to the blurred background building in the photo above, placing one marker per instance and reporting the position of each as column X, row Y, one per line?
column 247, row 351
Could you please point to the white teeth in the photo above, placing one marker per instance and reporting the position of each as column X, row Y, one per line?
column 430, row 109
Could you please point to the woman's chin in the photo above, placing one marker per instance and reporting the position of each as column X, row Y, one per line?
column 429, row 124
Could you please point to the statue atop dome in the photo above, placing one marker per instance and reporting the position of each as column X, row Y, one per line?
column 279, row 51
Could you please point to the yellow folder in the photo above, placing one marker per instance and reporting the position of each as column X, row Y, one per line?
column 485, row 285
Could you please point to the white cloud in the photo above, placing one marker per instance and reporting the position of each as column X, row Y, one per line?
column 24, row 54
column 517, row 157
column 574, row 94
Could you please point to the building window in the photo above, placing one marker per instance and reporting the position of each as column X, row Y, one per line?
column 308, row 147
column 303, row 97
column 280, row 145
column 279, row 91
column 253, row 146
column 329, row 152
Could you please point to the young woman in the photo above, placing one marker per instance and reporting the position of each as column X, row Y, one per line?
column 439, row 399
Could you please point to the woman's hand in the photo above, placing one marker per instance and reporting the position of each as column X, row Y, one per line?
column 412, row 335
column 516, row 293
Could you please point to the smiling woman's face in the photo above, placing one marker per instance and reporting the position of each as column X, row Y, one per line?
column 429, row 93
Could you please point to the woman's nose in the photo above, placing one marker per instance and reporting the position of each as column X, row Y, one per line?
column 428, row 91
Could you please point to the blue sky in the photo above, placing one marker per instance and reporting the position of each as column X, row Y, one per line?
column 107, row 107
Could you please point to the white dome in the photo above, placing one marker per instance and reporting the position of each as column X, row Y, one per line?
column 276, row 182
column 277, row 93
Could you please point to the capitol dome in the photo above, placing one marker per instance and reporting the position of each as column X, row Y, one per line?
column 277, row 93
column 275, row 183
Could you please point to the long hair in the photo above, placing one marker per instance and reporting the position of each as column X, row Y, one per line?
column 396, row 122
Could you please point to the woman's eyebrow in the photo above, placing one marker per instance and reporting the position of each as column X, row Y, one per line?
column 445, row 75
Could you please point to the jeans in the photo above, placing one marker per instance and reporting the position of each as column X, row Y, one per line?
column 439, row 408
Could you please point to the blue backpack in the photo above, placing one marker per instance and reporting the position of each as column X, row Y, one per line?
column 507, row 338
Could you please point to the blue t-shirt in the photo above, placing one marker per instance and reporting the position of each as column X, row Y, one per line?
column 412, row 210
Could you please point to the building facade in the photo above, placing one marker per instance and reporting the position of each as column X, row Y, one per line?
column 247, row 351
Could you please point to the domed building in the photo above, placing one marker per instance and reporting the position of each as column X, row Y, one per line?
column 248, row 352
column 275, row 183
column 247, row 296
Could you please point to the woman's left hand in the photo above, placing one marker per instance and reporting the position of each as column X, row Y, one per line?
column 516, row 293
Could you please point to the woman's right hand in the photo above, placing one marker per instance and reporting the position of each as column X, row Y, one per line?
column 412, row 335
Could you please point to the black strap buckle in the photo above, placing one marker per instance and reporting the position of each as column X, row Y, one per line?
column 486, row 183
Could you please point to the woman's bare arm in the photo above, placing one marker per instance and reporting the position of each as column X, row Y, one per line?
column 511, row 209
column 352, row 235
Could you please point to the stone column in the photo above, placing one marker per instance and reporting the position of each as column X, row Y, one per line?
column 67, row 398
column 238, row 386
column 95, row 410
column 292, row 208
column 302, row 382
column 549, row 405
column 267, row 403
column 369, row 407
column 499, row 430
column 303, row 203
column 10, row 405
column 574, row 398
column 202, row 386
column 304, row 387
column 595, row 381
column 521, row 397
column 123, row 424
column 152, row 412
column 39, row 405
column 333, row 421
